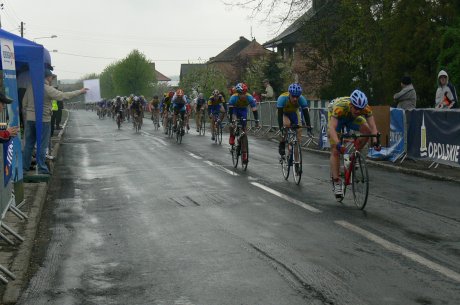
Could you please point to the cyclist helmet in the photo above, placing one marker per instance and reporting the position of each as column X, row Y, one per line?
column 136, row 99
column 358, row 99
column 241, row 88
column 180, row 92
column 295, row 89
column 215, row 92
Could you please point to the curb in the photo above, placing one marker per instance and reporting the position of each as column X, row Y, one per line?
column 20, row 263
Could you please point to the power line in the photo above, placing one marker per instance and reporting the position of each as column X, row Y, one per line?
column 87, row 56
column 9, row 6
column 113, row 58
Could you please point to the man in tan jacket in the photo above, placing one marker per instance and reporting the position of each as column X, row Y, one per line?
column 30, row 128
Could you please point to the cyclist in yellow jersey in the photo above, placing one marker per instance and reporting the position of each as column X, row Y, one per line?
column 164, row 109
column 215, row 108
column 352, row 113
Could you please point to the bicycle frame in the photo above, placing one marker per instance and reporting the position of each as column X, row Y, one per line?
column 356, row 173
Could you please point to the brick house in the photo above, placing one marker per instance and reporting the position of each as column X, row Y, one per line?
column 234, row 59
column 292, row 44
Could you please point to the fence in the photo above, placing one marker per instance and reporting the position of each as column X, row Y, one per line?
column 7, row 198
column 268, row 120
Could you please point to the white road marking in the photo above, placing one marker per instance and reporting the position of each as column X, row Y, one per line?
column 156, row 139
column 285, row 197
column 193, row 155
column 400, row 250
column 220, row 167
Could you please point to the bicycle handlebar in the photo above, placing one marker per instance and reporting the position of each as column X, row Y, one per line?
column 357, row 136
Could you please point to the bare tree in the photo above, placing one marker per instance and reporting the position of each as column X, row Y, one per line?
column 278, row 12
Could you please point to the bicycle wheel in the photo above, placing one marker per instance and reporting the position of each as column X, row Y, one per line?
column 219, row 133
column 235, row 151
column 297, row 162
column 179, row 132
column 285, row 168
column 360, row 181
column 203, row 125
column 214, row 133
column 118, row 121
column 244, row 150
column 169, row 128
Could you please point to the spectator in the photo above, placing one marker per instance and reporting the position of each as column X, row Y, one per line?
column 446, row 95
column 406, row 98
column 30, row 130
column 257, row 96
column 10, row 132
column 269, row 95
column 54, row 110
column 60, row 105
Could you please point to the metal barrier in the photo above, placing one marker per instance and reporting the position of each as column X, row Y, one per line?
column 7, row 203
column 268, row 121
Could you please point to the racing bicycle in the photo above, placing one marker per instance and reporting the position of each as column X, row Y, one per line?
column 293, row 158
column 240, row 149
column 355, row 173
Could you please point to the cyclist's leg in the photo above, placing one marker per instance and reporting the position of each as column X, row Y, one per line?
column 334, row 159
column 198, row 119
column 211, row 111
column 165, row 120
column 183, row 115
column 232, row 127
column 288, row 119
column 175, row 113
column 222, row 112
column 242, row 115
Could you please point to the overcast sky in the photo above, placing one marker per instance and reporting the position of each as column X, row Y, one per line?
column 168, row 32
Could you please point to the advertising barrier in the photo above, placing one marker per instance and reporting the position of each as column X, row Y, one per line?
column 434, row 135
column 395, row 149
column 323, row 139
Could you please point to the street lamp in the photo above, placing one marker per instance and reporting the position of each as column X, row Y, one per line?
column 52, row 36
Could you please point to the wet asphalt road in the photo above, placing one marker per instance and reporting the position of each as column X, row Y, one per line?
column 140, row 219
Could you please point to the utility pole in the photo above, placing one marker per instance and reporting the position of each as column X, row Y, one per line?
column 22, row 29
column 1, row 8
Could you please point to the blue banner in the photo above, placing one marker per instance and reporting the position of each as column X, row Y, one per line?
column 396, row 148
column 434, row 135
column 12, row 152
column 323, row 140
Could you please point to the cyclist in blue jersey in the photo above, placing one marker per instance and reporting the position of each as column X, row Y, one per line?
column 238, row 108
column 215, row 108
column 289, row 104
column 178, row 107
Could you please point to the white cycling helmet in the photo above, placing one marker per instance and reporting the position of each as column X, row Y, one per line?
column 358, row 99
